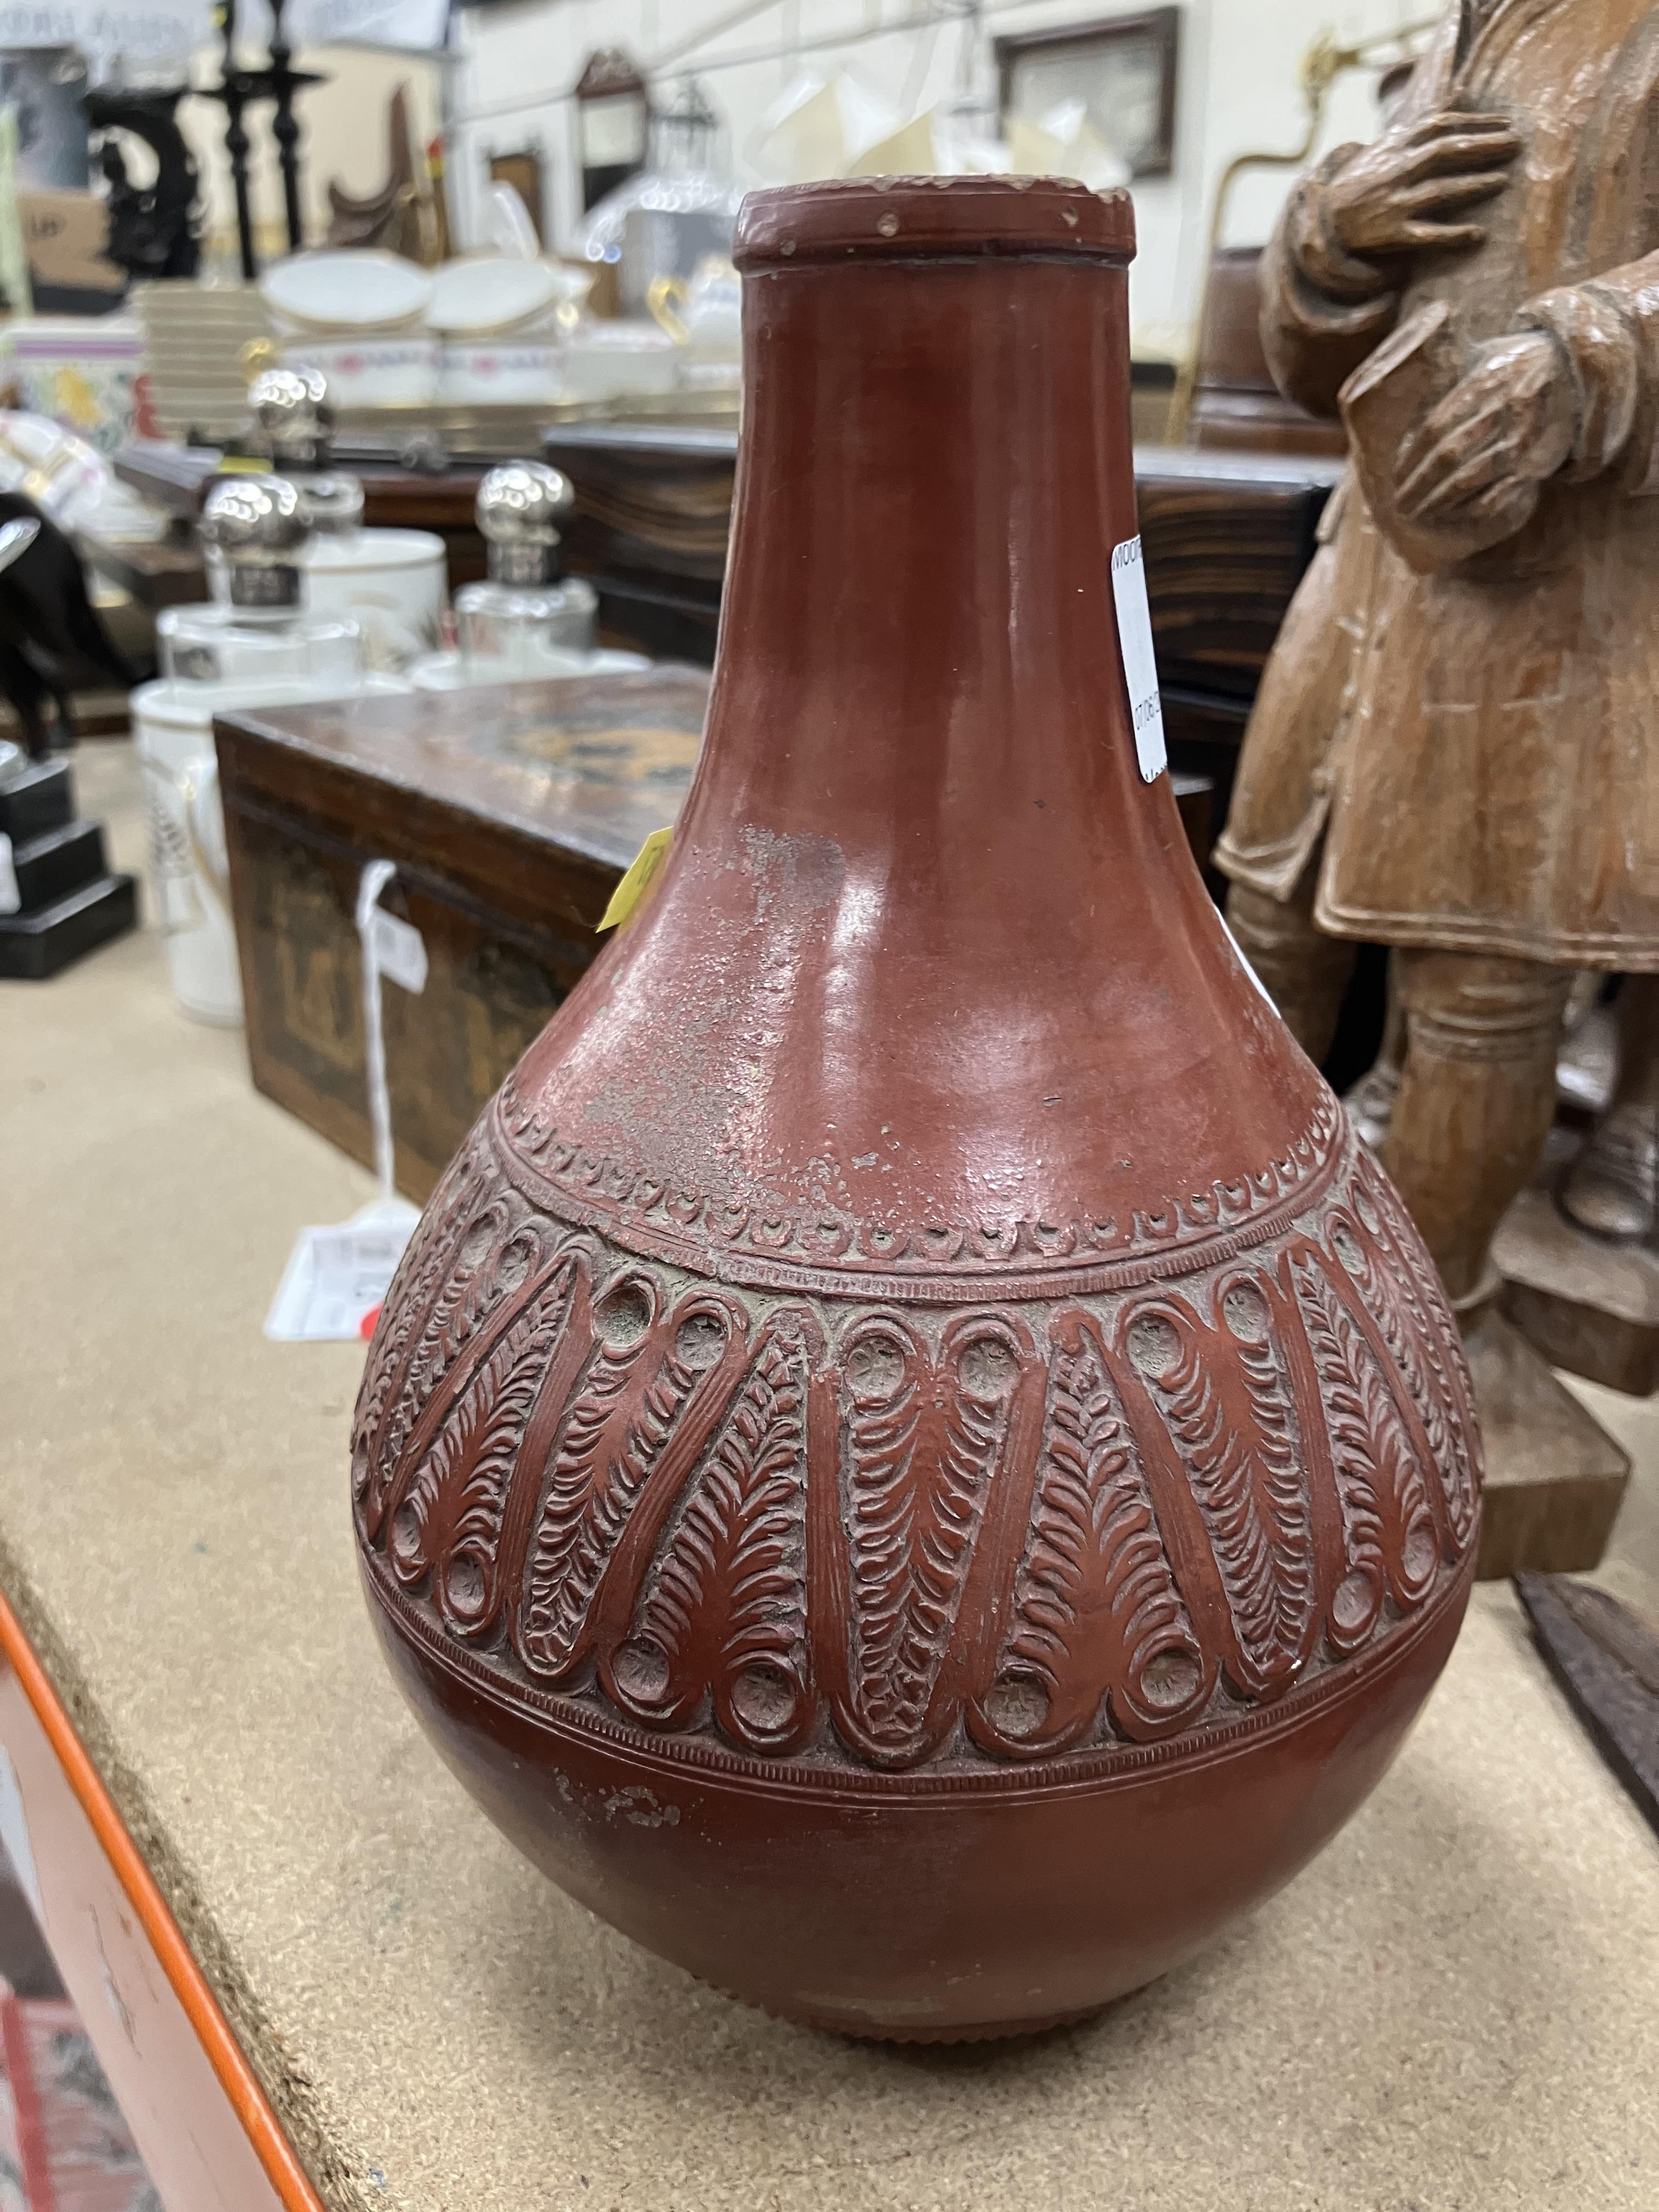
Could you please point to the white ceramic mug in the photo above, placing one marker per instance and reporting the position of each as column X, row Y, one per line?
column 190, row 873
column 394, row 584
column 190, row 880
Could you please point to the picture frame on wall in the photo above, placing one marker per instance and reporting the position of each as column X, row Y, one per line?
column 1125, row 69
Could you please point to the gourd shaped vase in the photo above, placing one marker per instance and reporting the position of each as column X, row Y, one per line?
column 914, row 1463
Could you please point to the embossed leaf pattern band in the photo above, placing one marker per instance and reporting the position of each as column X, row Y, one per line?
column 648, row 1215
column 782, row 1523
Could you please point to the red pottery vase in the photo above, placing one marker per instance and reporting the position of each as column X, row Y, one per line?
column 914, row 1463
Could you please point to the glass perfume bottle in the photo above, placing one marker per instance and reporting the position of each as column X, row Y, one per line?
column 256, row 530
column 394, row 583
column 294, row 420
column 527, row 619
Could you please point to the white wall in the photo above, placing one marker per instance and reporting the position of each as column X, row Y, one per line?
column 1238, row 92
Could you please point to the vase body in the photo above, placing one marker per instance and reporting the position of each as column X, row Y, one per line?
column 914, row 1463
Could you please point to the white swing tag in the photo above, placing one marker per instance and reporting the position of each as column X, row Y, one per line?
column 1135, row 631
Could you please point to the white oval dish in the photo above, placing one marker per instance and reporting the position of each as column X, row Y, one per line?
column 362, row 290
column 487, row 295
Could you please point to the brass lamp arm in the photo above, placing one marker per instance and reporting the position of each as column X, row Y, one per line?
column 1322, row 65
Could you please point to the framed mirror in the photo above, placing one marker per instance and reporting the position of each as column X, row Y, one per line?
column 1124, row 70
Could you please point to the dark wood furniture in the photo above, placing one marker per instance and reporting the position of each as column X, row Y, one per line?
column 167, row 573
column 1236, row 404
column 510, row 819
column 1228, row 537
column 653, row 510
column 176, row 478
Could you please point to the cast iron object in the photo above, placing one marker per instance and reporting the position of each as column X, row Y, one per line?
column 914, row 1463
column 52, row 637
column 155, row 228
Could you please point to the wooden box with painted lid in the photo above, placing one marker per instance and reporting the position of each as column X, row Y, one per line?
column 510, row 814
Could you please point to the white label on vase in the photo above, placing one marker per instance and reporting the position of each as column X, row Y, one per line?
column 10, row 897
column 399, row 951
column 1135, row 631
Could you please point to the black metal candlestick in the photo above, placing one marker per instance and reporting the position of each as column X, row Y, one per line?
column 285, row 82
column 233, row 92
column 239, row 88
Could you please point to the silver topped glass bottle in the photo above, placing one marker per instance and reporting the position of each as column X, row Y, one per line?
column 526, row 619
column 256, row 530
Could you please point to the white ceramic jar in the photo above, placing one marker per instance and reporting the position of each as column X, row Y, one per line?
column 393, row 583
column 503, row 372
column 190, row 881
column 173, row 724
column 374, row 371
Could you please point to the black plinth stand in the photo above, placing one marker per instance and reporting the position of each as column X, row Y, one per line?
column 54, row 877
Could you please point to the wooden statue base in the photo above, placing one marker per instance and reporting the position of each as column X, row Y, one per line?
column 1591, row 1307
column 1555, row 1479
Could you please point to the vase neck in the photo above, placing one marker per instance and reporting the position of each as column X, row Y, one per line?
column 937, row 466
column 929, row 961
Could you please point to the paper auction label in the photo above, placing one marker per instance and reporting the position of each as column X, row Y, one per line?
column 1135, row 631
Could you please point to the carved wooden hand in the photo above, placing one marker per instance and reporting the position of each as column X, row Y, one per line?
column 1401, row 194
column 1510, row 419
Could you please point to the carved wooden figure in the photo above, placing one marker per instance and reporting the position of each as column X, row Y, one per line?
column 1455, row 751
column 914, row 1462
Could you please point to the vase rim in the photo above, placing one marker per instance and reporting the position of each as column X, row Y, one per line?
column 924, row 218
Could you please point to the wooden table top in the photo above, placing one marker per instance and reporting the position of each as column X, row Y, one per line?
column 1455, row 2006
column 590, row 766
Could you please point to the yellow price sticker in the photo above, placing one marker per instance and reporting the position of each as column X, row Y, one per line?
column 634, row 888
column 242, row 465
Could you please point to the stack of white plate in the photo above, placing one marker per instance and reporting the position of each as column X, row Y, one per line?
column 194, row 335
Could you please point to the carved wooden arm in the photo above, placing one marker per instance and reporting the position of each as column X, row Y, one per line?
column 1609, row 330
column 1323, row 310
